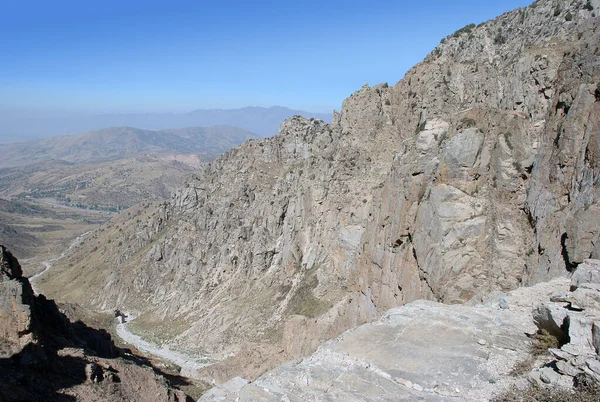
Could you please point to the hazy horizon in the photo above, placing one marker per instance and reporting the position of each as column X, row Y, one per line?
column 24, row 126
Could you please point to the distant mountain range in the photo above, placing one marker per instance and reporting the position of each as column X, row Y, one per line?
column 262, row 121
column 125, row 142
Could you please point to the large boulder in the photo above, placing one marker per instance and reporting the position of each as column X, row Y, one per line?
column 587, row 272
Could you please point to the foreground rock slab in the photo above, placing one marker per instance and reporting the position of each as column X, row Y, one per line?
column 421, row 351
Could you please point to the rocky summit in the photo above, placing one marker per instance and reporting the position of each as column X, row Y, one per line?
column 478, row 172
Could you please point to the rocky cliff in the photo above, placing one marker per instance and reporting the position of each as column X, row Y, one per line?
column 476, row 172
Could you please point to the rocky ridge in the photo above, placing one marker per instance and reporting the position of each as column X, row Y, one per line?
column 477, row 172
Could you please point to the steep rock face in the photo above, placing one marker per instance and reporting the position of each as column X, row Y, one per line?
column 476, row 172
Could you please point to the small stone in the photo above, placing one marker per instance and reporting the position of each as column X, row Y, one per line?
column 587, row 272
column 482, row 342
column 575, row 307
column 567, row 369
column 592, row 374
column 548, row 375
column 534, row 378
column 559, row 297
column 417, row 387
column 594, row 365
column 596, row 336
column 502, row 302
column 560, row 354
column 406, row 383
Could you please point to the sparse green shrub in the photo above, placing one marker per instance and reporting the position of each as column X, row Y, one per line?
column 557, row 10
column 387, row 102
column 507, row 137
column 518, row 167
column 522, row 15
column 588, row 6
column 467, row 123
column 597, row 92
column 499, row 39
column 108, row 241
column 442, row 137
column 569, row 17
column 585, row 390
column 384, row 85
column 421, row 127
column 466, row 29
column 542, row 341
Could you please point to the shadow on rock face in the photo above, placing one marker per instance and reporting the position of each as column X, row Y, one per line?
column 36, row 375
column 44, row 356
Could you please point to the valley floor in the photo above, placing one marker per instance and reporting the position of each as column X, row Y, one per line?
column 189, row 364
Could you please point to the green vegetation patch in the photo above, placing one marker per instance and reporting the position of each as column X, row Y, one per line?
column 542, row 341
column 468, row 123
column 303, row 302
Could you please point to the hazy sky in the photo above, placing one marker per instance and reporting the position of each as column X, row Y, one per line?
column 129, row 55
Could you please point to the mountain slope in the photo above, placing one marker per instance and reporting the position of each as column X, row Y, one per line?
column 123, row 142
column 37, row 232
column 107, row 186
column 475, row 173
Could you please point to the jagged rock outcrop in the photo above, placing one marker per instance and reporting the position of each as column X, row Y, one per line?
column 16, row 300
column 477, row 172
column 574, row 319
column 46, row 357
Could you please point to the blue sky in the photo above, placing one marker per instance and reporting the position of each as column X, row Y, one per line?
column 108, row 56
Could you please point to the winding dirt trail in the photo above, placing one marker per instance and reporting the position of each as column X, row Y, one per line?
column 48, row 263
